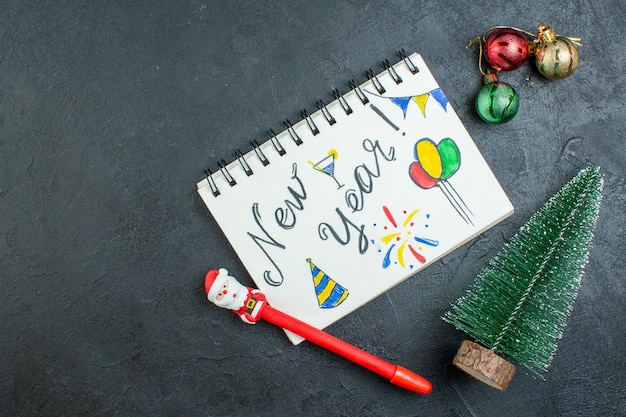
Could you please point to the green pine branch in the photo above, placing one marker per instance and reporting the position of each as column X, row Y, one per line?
column 518, row 306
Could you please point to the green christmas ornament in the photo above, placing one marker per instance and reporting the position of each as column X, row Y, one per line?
column 518, row 305
column 497, row 101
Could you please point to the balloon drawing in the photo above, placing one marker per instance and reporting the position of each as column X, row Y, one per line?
column 434, row 165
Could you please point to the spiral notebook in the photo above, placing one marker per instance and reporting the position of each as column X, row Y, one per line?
column 356, row 196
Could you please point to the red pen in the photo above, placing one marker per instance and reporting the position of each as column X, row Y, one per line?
column 251, row 305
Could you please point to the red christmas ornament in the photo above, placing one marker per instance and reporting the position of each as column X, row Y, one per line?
column 506, row 49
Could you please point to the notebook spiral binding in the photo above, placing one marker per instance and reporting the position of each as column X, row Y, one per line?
column 321, row 106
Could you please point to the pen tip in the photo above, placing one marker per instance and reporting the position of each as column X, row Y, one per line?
column 411, row 381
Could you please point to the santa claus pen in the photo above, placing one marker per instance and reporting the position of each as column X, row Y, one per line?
column 251, row 305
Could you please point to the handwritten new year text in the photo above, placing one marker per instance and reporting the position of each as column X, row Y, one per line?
column 342, row 229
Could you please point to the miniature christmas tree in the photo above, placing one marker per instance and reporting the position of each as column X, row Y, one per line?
column 518, row 306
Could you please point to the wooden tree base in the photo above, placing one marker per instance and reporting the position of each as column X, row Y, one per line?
column 484, row 365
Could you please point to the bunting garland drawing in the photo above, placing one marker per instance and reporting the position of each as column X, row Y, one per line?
column 419, row 99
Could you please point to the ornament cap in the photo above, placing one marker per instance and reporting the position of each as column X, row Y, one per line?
column 545, row 33
column 490, row 77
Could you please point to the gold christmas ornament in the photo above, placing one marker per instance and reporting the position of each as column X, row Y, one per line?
column 556, row 56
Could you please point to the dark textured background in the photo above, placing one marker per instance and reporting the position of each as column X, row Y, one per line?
column 110, row 111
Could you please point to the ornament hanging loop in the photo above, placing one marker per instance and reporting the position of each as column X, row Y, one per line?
column 473, row 41
column 480, row 54
column 491, row 29
column 545, row 34
column 536, row 37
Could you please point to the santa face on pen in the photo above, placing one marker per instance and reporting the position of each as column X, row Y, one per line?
column 227, row 292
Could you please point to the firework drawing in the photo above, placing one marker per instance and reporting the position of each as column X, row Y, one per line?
column 401, row 240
